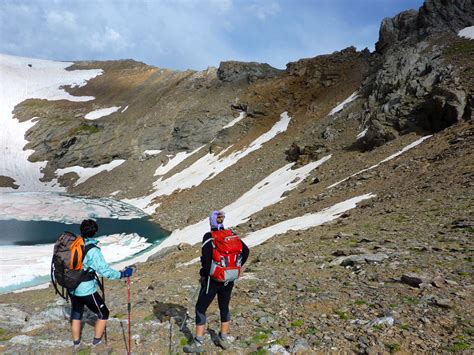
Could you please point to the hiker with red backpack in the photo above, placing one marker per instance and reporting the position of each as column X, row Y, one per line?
column 222, row 255
column 85, row 293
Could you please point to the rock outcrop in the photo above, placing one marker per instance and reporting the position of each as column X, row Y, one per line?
column 231, row 71
column 415, row 87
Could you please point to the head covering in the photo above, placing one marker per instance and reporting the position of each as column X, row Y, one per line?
column 89, row 228
column 213, row 220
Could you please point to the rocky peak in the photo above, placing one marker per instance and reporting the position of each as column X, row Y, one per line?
column 435, row 16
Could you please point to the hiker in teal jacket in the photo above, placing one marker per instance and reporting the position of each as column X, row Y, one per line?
column 86, row 293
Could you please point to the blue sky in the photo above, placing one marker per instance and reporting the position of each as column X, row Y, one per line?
column 187, row 34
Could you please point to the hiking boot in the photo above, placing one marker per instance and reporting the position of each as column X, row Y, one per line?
column 196, row 347
column 78, row 347
column 222, row 341
column 101, row 348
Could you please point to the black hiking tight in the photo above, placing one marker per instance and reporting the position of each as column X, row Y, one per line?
column 206, row 296
column 94, row 302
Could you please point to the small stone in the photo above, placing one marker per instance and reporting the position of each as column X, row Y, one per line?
column 414, row 280
column 443, row 303
column 438, row 281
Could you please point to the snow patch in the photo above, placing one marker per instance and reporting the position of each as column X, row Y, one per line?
column 205, row 168
column 304, row 222
column 266, row 193
column 362, row 134
column 467, row 32
column 174, row 161
column 339, row 107
column 26, row 78
column 299, row 223
column 93, row 115
column 125, row 109
column 86, row 173
column 242, row 115
column 152, row 152
column 408, row 147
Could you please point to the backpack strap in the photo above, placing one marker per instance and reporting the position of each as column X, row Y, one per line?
column 207, row 241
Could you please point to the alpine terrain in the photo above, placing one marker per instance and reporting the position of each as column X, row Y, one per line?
column 349, row 175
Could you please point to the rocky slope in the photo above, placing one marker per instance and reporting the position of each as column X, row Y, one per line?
column 393, row 274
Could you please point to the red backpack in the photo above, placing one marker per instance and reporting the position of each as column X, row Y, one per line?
column 226, row 255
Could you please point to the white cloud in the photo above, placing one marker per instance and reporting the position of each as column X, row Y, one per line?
column 61, row 19
column 263, row 11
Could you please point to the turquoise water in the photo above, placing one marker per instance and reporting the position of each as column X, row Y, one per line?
column 14, row 232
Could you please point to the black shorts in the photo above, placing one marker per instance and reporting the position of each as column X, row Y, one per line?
column 94, row 302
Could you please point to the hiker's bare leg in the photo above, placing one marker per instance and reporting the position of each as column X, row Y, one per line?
column 99, row 328
column 225, row 327
column 76, row 329
column 200, row 330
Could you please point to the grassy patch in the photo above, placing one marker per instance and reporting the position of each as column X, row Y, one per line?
column 457, row 346
column 392, row 347
column 311, row 331
column 4, row 335
column 260, row 352
column 183, row 341
column 342, row 315
column 410, row 300
column 85, row 130
column 260, row 338
column 119, row 315
column 404, row 326
column 297, row 323
column 149, row 317
column 360, row 302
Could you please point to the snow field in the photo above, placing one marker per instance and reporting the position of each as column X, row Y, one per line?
column 25, row 78
column 204, row 168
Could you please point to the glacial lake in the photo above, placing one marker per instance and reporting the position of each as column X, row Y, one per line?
column 31, row 222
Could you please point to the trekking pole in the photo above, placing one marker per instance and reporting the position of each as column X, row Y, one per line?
column 129, row 306
column 101, row 285
column 193, row 300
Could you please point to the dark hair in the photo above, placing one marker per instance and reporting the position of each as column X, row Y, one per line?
column 89, row 227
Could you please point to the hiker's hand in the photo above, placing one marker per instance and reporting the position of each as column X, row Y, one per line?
column 127, row 272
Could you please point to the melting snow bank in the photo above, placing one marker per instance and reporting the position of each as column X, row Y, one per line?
column 339, row 107
column 242, row 115
column 467, row 32
column 26, row 78
column 23, row 266
column 93, row 115
column 299, row 223
column 86, row 173
column 266, row 193
column 38, row 206
column 408, row 147
column 205, row 168
column 304, row 222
